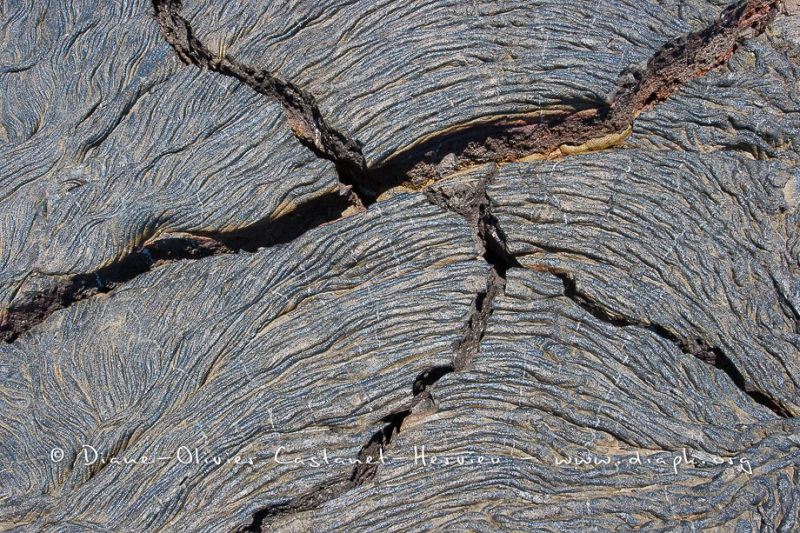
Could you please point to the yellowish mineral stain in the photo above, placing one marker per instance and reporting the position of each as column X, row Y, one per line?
column 531, row 158
column 600, row 143
column 611, row 140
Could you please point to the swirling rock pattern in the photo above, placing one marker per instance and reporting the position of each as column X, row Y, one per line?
column 107, row 151
column 671, row 445
column 397, row 266
column 135, row 375
column 710, row 264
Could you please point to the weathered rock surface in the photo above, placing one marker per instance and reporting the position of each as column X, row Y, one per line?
column 552, row 386
column 750, row 105
column 220, row 355
column 110, row 145
column 694, row 246
column 261, row 257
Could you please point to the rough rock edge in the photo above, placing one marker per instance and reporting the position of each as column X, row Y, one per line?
column 506, row 139
column 697, row 347
column 639, row 87
column 168, row 249
column 300, row 108
column 476, row 210
column 499, row 140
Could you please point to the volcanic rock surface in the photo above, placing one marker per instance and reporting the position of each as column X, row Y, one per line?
column 381, row 265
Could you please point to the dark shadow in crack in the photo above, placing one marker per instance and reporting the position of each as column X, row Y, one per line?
column 27, row 313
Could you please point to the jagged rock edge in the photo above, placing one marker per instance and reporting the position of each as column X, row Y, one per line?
column 164, row 250
column 300, row 107
column 360, row 187
column 478, row 216
column 696, row 347
column 639, row 87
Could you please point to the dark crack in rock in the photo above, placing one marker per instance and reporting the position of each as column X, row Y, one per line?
column 696, row 245
column 568, row 423
column 343, row 231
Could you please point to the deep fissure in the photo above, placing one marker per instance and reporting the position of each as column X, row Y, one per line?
column 603, row 125
column 299, row 107
column 162, row 251
column 696, row 347
column 367, row 461
column 499, row 140
column 476, row 210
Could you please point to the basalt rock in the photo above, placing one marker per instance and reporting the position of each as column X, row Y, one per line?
column 374, row 265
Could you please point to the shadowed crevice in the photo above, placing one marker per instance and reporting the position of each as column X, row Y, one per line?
column 299, row 106
column 33, row 310
column 591, row 125
column 696, row 347
column 366, row 465
column 474, row 207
